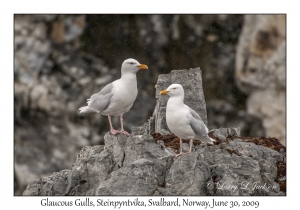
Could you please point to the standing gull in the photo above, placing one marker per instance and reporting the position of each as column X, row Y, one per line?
column 183, row 121
column 117, row 97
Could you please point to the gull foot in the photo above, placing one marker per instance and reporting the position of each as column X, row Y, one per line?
column 181, row 153
column 114, row 132
column 176, row 156
column 125, row 132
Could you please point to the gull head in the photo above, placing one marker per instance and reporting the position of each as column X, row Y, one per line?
column 133, row 66
column 173, row 90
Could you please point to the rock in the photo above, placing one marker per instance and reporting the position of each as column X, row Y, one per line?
column 222, row 133
column 115, row 146
column 216, row 172
column 136, row 179
column 261, row 70
column 235, row 168
column 144, row 146
column 67, row 29
column 92, row 166
column 52, row 185
column 187, row 176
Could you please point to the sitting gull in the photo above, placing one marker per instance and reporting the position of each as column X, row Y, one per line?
column 117, row 97
column 183, row 121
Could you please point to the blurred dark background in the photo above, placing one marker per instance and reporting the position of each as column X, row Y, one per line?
column 61, row 60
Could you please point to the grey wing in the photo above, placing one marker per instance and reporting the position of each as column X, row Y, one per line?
column 197, row 124
column 195, row 114
column 100, row 101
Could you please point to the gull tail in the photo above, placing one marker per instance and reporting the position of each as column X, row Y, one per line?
column 208, row 140
column 211, row 141
column 85, row 109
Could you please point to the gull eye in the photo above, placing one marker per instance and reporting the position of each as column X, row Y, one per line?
column 131, row 63
column 174, row 88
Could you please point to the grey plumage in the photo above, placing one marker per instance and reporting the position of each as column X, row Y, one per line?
column 198, row 127
column 100, row 101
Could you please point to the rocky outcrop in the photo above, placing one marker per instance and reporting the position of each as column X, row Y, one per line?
column 261, row 70
column 138, row 165
column 141, row 165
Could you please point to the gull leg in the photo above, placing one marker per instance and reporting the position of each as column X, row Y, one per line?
column 112, row 130
column 180, row 153
column 191, row 145
column 122, row 129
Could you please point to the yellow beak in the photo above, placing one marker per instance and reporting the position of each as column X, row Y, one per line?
column 143, row 66
column 164, row 92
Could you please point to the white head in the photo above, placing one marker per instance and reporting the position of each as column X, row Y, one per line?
column 173, row 90
column 131, row 65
